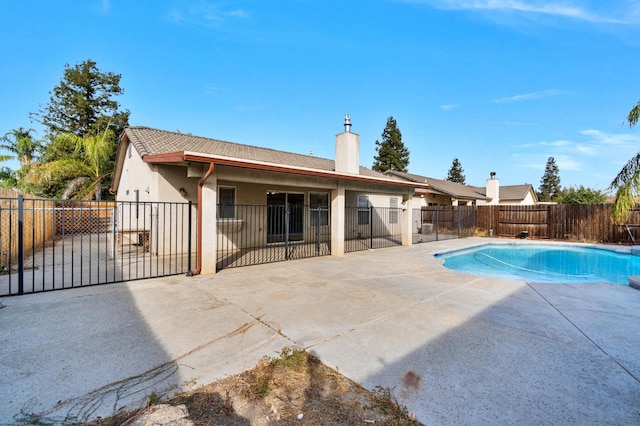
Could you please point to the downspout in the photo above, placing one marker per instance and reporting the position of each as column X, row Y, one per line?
column 199, row 215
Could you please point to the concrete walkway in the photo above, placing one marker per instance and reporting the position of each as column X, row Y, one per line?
column 456, row 349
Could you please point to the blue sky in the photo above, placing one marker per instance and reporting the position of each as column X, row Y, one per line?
column 500, row 84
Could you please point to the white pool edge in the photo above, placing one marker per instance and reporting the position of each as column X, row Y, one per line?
column 634, row 280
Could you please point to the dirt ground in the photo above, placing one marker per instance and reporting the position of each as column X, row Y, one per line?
column 293, row 389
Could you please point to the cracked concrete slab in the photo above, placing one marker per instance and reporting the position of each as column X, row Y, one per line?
column 453, row 347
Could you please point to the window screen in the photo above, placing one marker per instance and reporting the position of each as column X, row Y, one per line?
column 226, row 203
column 363, row 209
column 393, row 211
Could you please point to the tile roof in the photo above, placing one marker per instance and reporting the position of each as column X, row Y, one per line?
column 453, row 189
column 514, row 192
column 148, row 141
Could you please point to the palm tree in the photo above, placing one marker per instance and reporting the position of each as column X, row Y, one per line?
column 23, row 147
column 83, row 175
column 627, row 181
column 20, row 142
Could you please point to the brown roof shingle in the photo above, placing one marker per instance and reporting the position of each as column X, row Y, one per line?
column 149, row 141
column 453, row 189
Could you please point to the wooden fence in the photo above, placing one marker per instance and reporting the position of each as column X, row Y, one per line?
column 81, row 216
column 37, row 225
column 573, row 222
column 44, row 219
column 452, row 220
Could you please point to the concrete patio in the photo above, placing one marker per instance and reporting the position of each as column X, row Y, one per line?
column 455, row 348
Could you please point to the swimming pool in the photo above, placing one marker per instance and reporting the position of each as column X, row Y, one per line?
column 544, row 263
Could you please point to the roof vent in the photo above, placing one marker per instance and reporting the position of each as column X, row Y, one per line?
column 493, row 175
column 347, row 123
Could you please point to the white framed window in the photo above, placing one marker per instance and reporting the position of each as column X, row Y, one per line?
column 226, row 202
column 319, row 208
column 363, row 209
column 393, row 211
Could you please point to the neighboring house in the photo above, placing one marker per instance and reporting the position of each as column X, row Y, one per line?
column 238, row 188
column 445, row 193
column 522, row 195
column 440, row 192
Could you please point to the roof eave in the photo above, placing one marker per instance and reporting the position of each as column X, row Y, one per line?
column 117, row 171
column 184, row 156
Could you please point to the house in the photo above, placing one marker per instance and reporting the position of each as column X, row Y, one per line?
column 440, row 192
column 260, row 203
column 445, row 193
column 522, row 195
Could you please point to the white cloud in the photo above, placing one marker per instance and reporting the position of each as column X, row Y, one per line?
column 449, row 107
column 207, row 14
column 531, row 96
column 539, row 161
column 597, row 153
column 238, row 13
column 612, row 139
column 586, row 150
column 597, row 142
column 558, row 143
column 562, row 8
column 565, row 162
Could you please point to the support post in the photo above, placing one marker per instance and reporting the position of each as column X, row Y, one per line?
column 189, row 236
column 407, row 219
column 338, row 213
column 20, row 244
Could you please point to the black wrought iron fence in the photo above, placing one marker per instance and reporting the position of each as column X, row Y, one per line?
column 372, row 227
column 256, row 234
column 436, row 223
column 57, row 244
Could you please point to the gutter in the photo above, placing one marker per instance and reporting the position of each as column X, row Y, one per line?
column 185, row 156
column 201, row 183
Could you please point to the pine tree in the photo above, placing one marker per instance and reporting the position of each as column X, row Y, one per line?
column 84, row 103
column 550, row 188
column 456, row 172
column 392, row 154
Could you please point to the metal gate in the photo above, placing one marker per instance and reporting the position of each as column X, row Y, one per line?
column 372, row 227
column 435, row 223
column 259, row 234
column 57, row 244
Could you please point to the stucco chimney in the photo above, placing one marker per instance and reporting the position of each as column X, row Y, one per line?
column 347, row 149
column 493, row 189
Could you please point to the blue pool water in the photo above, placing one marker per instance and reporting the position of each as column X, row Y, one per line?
column 544, row 263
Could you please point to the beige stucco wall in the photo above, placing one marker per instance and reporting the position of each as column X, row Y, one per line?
column 527, row 201
column 381, row 214
column 137, row 176
column 348, row 153
column 493, row 191
column 250, row 222
column 159, row 211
